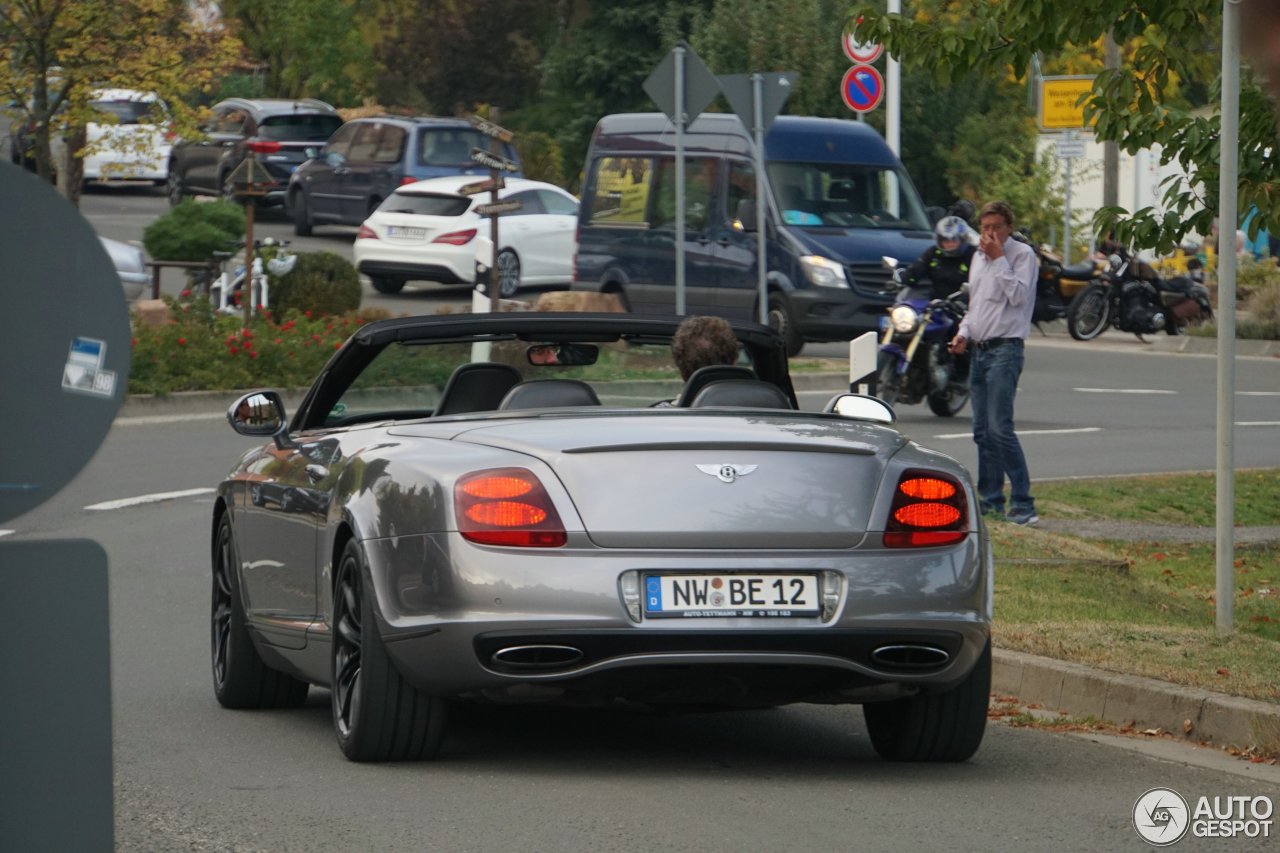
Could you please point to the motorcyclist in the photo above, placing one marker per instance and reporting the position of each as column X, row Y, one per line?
column 946, row 263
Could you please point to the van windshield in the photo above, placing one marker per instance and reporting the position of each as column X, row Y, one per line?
column 846, row 195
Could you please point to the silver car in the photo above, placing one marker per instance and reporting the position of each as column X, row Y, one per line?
column 490, row 508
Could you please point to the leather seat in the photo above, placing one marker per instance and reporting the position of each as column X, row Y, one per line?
column 476, row 387
column 743, row 393
column 701, row 377
column 549, row 394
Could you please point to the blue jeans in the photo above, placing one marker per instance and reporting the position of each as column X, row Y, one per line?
column 993, row 382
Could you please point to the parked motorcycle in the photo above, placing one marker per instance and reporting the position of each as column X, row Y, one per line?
column 1058, row 284
column 1132, row 297
column 913, row 363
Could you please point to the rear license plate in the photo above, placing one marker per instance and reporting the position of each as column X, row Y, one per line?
column 402, row 232
column 730, row 595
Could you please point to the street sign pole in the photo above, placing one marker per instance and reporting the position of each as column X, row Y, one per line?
column 757, row 102
column 1066, row 204
column 680, row 119
column 495, row 145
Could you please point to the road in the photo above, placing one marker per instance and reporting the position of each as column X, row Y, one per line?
column 191, row 776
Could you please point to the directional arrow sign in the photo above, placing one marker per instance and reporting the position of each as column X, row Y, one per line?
column 493, row 161
column 488, row 128
column 484, row 186
column 497, row 208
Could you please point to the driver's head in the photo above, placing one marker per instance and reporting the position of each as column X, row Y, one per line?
column 701, row 341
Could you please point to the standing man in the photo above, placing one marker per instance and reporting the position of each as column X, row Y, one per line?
column 1001, row 299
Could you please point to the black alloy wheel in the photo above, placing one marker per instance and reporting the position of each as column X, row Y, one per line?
column 377, row 715
column 240, row 678
column 508, row 274
column 174, row 188
column 1089, row 313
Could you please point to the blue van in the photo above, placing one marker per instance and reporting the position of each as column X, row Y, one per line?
column 366, row 159
column 838, row 201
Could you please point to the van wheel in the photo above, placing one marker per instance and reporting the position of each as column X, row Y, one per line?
column 782, row 321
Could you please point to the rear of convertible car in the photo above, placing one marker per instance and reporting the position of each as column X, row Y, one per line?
column 694, row 560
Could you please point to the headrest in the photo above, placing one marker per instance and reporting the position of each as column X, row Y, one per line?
column 743, row 393
column 476, row 387
column 549, row 393
column 711, row 373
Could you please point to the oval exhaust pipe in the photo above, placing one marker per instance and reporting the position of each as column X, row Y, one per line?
column 536, row 657
column 910, row 656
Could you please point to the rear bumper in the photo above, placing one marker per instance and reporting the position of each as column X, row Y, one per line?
column 410, row 271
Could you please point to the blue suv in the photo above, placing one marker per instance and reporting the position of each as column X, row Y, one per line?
column 368, row 158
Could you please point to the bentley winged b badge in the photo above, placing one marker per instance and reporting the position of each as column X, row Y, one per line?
column 727, row 473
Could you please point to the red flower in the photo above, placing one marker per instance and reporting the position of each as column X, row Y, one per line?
column 253, row 355
column 186, row 293
column 182, row 342
column 338, row 345
column 307, row 314
column 246, row 333
column 134, row 342
column 279, row 340
column 232, row 350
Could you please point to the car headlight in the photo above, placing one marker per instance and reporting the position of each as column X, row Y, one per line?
column 904, row 318
column 823, row 272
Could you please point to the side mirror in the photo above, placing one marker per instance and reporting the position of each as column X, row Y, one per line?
column 310, row 152
column 260, row 413
column 335, row 160
column 746, row 218
column 860, row 407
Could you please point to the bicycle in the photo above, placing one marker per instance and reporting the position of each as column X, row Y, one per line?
column 227, row 287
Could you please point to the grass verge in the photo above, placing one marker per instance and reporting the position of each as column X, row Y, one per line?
column 1144, row 607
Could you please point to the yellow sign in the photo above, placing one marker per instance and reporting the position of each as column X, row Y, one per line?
column 1059, row 102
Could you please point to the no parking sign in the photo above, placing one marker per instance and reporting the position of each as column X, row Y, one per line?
column 862, row 88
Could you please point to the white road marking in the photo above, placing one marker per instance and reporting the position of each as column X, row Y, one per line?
column 6, row 532
column 143, row 420
column 1022, row 432
column 148, row 499
column 1259, row 393
column 1123, row 391
column 1257, row 423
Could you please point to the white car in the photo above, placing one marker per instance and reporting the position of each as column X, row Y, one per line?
column 429, row 231
column 135, row 146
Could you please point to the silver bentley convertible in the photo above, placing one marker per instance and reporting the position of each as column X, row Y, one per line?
column 532, row 507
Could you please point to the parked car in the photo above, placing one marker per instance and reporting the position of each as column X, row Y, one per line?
column 130, row 263
column 491, row 531
column 274, row 133
column 837, row 201
column 133, row 145
column 427, row 231
column 368, row 158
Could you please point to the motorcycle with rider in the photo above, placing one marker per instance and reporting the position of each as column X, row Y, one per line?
column 913, row 363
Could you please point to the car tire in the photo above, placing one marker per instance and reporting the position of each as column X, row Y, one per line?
column 386, row 285
column 946, row 726
column 302, row 226
column 508, row 274
column 240, row 678
column 377, row 715
column 174, row 188
column 782, row 320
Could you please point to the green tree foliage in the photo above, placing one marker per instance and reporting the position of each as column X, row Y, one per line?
column 305, row 48
column 58, row 51
column 1144, row 102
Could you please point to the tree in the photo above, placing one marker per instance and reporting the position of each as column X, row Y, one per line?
column 1139, row 104
column 61, row 50
column 306, row 48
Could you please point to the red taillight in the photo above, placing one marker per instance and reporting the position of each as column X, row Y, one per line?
column 456, row 238
column 263, row 146
column 366, row 233
column 928, row 509
column 507, row 506
column 408, row 179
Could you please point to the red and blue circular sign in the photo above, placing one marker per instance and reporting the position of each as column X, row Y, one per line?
column 862, row 88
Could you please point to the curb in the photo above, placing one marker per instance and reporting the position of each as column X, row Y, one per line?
column 1144, row 703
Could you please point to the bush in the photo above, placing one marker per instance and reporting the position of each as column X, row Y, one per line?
column 193, row 231
column 540, row 158
column 1264, row 302
column 320, row 283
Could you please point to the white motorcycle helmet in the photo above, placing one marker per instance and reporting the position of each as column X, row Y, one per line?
column 951, row 229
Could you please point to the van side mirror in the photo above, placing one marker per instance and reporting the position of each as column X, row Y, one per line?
column 746, row 217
